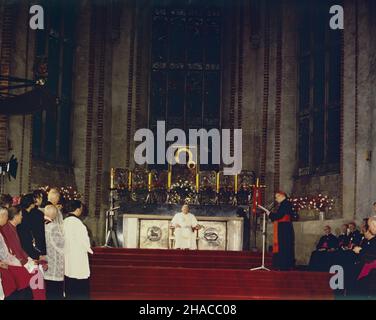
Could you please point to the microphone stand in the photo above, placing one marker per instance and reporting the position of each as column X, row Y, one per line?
column 262, row 267
column 110, row 223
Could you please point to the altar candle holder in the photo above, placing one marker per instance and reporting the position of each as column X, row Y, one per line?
column 149, row 181
column 130, row 181
column 197, row 201
column 235, row 199
column 169, row 179
column 217, row 188
column 150, row 196
column 112, row 175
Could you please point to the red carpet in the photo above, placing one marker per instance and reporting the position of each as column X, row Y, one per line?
column 187, row 275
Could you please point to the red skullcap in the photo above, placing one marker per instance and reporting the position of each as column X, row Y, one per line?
column 282, row 193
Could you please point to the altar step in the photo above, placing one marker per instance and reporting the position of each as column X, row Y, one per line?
column 178, row 258
column 123, row 283
column 114, row 278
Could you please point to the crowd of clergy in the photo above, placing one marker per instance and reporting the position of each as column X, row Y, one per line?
column 42, row 255
column 46, row 256
column 355, row 251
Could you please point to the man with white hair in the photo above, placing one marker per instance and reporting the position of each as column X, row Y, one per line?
column 368, row 250
column 54, row 198
column 15, row 278
column 6, row 258
column 54, row 276
column 185, row 224
column 7, row 282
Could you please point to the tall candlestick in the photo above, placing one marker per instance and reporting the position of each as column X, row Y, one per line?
column 197, row 182
column 149, row 181
column 112, row 185
column 130, row 180
column 236, row 183
column 217, row 182
column 169, row 178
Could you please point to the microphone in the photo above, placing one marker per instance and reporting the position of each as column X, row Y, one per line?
column 264, row 209
column 113, row 209
column 271, row 205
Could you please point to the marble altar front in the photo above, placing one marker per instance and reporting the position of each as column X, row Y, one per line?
column 149, row 231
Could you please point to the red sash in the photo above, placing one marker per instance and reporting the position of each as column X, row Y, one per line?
column 367, row 268
column 22, row 280
column 21, row 277
column 285, row 218
column 8, row 283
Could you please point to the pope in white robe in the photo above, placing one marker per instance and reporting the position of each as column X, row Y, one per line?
column 185, row 225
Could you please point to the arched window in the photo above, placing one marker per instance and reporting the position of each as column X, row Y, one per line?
column 186, row 64
column 320, row 83
column 55, row 44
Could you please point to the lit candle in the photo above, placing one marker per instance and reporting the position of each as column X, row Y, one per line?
column 149, row 181
column 112, row 186
column 236, row 183
column 130, row 180
column 217, row 182
column 197, row 182
column 169, row 178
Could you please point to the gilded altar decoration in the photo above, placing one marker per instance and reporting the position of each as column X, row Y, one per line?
column 182, row 184
column 181, row 192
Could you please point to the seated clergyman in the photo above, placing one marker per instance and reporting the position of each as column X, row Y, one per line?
column 185, row 225
column 365, row 270
column 355, row 237
column 343, row 238
column 322, row 257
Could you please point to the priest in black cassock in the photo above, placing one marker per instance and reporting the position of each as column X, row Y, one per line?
column 323, row 256
column 283, row 234
column 355, row 237
column 343, row 238
column 363, row 271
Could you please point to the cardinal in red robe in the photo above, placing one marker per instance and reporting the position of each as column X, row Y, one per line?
column 283, row 234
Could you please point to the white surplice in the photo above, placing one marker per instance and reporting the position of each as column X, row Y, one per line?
column 185, row 238
column 2, row 295
column 76, row 248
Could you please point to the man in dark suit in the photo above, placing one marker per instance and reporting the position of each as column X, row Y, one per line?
column 31, row 231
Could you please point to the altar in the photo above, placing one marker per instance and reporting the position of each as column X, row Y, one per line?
column 148, row 227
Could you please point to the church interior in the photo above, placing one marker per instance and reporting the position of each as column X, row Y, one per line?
column 294, row 77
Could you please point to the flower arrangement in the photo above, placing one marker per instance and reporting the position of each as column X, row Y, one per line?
column 182, row 191
column 318, row 202
column 68, row 193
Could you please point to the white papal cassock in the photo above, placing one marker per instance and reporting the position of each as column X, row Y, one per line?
column 185, row 238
